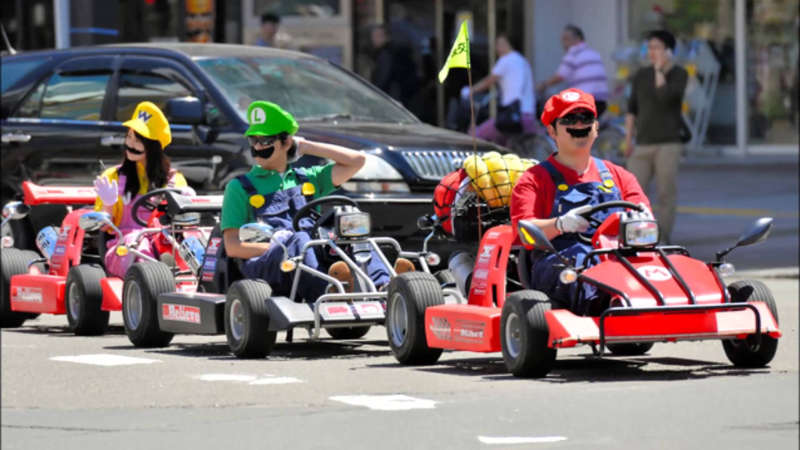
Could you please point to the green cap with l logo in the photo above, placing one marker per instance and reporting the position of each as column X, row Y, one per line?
column 268, row 119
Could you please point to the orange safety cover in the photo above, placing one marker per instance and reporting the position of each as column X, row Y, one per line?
column 463, row 327
column 112, row 294
column 37, row 293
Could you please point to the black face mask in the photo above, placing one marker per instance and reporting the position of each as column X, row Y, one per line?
column 263, row 153
column 579, row 132
column 133, row 150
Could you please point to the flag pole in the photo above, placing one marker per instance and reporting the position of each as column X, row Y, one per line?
column 472, row 125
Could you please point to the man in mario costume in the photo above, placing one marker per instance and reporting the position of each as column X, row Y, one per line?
column 273, row 191
column 548, row 193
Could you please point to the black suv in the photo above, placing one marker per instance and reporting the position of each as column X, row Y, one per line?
column 62, row 114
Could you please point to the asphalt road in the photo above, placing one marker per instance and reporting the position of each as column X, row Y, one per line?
column 193, row 394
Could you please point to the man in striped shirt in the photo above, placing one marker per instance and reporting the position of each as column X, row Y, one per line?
column 581, row 67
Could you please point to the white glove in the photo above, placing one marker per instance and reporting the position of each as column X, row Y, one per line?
column 281, row 236
column 646, row 213
column 188, row 191
column 465, row 92
column 106, row 190
column 571, row 222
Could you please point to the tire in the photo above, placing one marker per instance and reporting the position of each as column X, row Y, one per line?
column 348, row 333
column 144, row 281
column 246, row 319
column 83, row 297
column 630, row 349
column 445, row 278
column 409, row 295
column 738, row 350
column 524, row 333
column 14, row 262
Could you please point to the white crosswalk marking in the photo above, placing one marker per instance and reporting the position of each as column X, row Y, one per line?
column 502, row 440
column 249, row 379
column 104, row 360
column 386, row 402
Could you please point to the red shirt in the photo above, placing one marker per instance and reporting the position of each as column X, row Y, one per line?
column 534, row 193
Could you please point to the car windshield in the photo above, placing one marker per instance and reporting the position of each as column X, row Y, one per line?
column 311, row 90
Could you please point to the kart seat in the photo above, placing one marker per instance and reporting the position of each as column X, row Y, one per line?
column 523, row 267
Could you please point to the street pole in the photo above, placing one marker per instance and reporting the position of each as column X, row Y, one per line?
column 740, row 32
column 61, row 13
column 439, row 8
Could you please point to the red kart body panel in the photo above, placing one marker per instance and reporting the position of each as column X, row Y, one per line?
column 488, row 286
column 567, row 329
column 33, row 194
column 39, row 293
column 463, row 327
column 68, row 248
column 112, row 294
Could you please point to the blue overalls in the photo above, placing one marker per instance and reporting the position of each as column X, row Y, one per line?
column 277, row 210
column 544, row 266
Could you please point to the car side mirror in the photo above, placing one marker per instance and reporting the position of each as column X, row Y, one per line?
column 755, row 234
column 15, row 210
column 93, row 221
column 533, row 237
column 185, row 110
column 255, row 232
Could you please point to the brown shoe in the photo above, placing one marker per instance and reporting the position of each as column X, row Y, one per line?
column 402, row 265
column 341, row 271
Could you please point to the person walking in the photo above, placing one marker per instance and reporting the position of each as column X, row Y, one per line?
column 512, row 73
column 654, row 116
column 394, row 70
column 581, row 68
column 269, row 28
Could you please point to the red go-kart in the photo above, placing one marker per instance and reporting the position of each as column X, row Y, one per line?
column 68, row 277
column 654, row 294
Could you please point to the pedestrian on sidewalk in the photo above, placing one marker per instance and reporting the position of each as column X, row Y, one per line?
column 513, row 75
column 581, row 68
column 269, row 28
column 654, row 115
column 394, row 70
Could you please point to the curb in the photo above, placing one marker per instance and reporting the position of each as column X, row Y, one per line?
column 775, row 273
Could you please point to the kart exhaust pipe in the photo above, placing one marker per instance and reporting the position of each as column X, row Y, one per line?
column 460, row 265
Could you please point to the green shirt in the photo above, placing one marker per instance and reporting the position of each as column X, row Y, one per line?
column 236, row 209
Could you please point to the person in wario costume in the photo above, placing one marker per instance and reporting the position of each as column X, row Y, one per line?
column 273, row 191
column 144, row 167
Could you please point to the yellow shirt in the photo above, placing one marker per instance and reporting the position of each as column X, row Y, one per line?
column 177, row 180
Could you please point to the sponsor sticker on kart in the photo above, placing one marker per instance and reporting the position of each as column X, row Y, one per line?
column 180, row 313
column 654, row 273
column 469, row 331
column 441, row 328
column 28, row 294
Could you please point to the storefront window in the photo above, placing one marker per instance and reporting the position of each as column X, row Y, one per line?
column 314, row 8
column 772, row 71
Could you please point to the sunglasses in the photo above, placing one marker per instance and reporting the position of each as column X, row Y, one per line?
column 133, row 150
column 262, row 140
column 585, row 118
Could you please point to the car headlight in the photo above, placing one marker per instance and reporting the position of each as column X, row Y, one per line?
column 376, row 176
column 354, row 224
column 639, row 233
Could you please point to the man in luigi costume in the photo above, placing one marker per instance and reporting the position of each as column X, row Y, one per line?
column 273, row 191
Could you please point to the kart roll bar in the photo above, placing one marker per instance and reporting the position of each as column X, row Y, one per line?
column 34, row 194
column 627, row 311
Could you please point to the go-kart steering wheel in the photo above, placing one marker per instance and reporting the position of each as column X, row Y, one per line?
column 594, row 223
column 309, row 209
column 144, row 201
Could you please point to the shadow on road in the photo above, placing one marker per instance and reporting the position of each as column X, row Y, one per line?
column 63, row 331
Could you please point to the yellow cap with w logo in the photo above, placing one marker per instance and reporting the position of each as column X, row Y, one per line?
column 150, row 123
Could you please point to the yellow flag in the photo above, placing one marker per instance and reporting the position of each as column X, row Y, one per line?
column 459, row 54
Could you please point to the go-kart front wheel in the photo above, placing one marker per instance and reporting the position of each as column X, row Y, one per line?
column 246, row 319
column 410, row 294
column 739, row 351
column 14, row 262
column 144, row 282
column 84, row 296
column 348, row 332
column 523, row 334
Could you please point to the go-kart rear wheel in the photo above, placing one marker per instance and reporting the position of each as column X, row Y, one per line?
column 144, row 282
column 410, row 294
column 83, row 298
column 739, row 351
column 523, row 334
column 247, row 321
column 630, row 349
column 14, row 262
column 348, row 332
column 445, row 278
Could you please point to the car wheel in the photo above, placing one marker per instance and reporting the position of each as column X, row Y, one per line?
column 739, row 351
column 348, row 332
column 144, row 281
column 630, row 349
column 410, row 294
column 246, row 319
column 83, row 297
column 523, row 334
column 14, row 262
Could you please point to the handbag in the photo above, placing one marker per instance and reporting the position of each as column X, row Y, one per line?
column 509, row 118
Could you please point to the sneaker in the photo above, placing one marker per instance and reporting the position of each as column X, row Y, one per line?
column 403, row 265
column 341, row 271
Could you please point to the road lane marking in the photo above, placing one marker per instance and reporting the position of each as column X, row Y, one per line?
column 742, row 212
column 385, row 402
column 104, row 360
column 249, row 379
column 502, row 440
